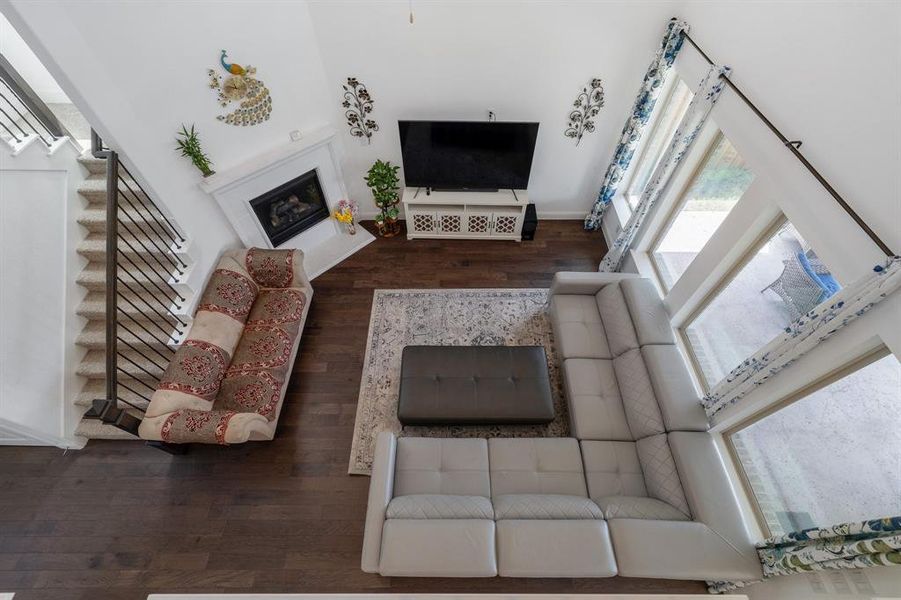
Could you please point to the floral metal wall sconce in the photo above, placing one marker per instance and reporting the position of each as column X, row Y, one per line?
column 586, row 106
column 357, row 107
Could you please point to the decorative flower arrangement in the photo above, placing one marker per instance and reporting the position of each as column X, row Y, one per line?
column 189, row 144
column 345, row 212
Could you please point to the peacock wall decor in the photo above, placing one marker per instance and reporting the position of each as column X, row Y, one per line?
column 240, row 85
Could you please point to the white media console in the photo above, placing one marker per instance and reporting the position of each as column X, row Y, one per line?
column 465, row 215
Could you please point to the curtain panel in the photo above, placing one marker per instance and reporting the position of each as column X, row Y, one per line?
column 850, row 303
column 695, row 117
column 638, row 120
column 872, row 543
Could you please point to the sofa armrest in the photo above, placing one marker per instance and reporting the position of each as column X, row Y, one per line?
column 573, row 282
column 381, row 490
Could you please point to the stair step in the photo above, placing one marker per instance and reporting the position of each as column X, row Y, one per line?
column 138, row 222
column 93, row 366
column 93, row 277
column 93, row 337
column 95, row 429
column 93, row 189
column 95, row 166
column 96, row 388
column 93, row 248
column 93, row 308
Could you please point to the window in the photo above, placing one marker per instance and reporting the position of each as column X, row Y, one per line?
column 718, row 185
column 661, row 136
column 832, row 455
column 782, row 280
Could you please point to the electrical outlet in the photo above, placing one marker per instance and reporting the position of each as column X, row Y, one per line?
column 491, row 115
column 295, row 135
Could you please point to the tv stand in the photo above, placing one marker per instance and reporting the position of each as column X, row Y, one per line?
column 496, row 215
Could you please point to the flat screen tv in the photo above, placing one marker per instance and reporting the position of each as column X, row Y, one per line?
column 465, row 155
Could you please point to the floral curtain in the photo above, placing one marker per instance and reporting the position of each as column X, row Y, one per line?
column 805, row 333
column 872, row 543
column 695, row 117
column 635, row 125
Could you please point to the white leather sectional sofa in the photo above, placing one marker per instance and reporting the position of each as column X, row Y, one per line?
column 639, row 491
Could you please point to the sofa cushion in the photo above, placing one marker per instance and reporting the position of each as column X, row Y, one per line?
column 557, row 548
column 676, row 397
column 649, row 317
column 545, row 506
column 230, row 293
column 639, row 507
column 270, row 268
column 250, row 391
column 709, row 493
column 440, row 506
column 612, row 469
column 679, row 550
column 577, row 327
column 438, row 548
column 616, row 319
column 595, row 406
column 263, row 347
column 660, row 475
column 192, row 379
column 639, row 402
column 536, row 466
column 278, row 307
column 442, row 466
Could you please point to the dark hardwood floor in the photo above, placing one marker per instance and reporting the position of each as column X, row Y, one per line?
column 120, row 520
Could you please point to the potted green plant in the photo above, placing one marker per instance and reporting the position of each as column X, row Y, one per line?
column 380, row 224
column 383, row 181
column 392, row 223
column 189, row 144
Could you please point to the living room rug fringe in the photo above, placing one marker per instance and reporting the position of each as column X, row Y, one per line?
column 461, row 317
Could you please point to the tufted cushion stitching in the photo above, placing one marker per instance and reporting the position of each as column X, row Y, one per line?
column 440, row 506
column 545, row 506
column 639, row 507
column 660, row 473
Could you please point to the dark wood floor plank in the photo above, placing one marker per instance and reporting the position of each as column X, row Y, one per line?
column 119, row 520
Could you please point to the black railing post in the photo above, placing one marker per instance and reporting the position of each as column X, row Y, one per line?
column 112, row 278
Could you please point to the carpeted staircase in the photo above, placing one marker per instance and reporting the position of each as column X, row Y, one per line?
column 144, row 344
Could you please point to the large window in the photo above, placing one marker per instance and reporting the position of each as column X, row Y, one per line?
column 781, row 281
column 673, row 108
column 831, row 455
column 718, row 185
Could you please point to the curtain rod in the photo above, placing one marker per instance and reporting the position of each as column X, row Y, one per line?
column 793, row 146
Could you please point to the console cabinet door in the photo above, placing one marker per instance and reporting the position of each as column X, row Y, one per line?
column 423, row 221
column 506, row 222
column 450, row 221
column 478, row 221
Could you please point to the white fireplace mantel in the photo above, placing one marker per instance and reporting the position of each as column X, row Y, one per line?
column 324, row 244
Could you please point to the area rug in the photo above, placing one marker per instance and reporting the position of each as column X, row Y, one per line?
column 473, row 317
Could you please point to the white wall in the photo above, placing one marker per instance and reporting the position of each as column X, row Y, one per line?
column 526, row 61
column 38, row 355
column 20, row 56
column 137, row 70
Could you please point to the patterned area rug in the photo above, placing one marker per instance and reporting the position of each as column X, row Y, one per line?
column 474, row 317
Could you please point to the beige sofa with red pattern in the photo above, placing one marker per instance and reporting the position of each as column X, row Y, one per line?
column 226, row 383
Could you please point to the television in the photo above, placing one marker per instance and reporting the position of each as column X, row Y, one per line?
column 467, row 155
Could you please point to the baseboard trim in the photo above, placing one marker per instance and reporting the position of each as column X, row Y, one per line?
column 550, row 215
column 15, row 434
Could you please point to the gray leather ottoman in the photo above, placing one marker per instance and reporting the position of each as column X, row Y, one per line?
column 474, row 385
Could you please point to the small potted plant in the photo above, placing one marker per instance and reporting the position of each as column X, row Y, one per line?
column 345, row 212
column 383, row 181
column 380, row 225
column 391, row 221
column 189, row 144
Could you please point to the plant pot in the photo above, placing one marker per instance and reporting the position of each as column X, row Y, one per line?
column 393, row 225
column 383, row 229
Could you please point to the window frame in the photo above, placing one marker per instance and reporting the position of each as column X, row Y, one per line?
column 722, row 282
column 666, row 95
column 675, row 206
column 845, row 369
